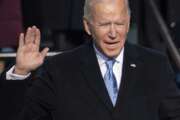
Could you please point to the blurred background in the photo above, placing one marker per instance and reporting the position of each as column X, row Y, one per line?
column 60, row 22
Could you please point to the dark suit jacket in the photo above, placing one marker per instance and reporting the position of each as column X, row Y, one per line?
column 12, row 96
column 71, row 88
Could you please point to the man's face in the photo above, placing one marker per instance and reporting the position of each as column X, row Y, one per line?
column 109, row 26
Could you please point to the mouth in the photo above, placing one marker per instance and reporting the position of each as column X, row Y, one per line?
column 112, row 45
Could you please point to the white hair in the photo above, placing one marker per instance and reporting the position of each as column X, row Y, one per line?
column 89, row 3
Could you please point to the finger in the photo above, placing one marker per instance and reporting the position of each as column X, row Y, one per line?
column 37, row 38
column 33, row 33
column 44, row 52
column 29, row 36
column 21, row 40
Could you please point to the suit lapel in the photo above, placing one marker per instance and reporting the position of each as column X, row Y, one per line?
column 93, row 77
column 91, row 72
column 130, row 68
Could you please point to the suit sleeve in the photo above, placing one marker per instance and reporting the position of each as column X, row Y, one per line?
column 39, row 101
column 170, row 105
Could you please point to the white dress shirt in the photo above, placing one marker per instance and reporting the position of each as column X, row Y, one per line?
column 117, row 67
column 11, row 76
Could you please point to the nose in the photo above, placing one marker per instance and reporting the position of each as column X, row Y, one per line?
column 112, row 31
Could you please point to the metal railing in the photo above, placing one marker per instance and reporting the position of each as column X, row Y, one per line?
column 9, row 55
column 165, row 33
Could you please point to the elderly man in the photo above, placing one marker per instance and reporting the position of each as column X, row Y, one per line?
column 105, row 79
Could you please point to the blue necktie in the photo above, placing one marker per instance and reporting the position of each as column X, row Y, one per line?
column 110, row 81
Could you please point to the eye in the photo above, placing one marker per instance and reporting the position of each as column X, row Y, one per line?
column 120, row 24
column 104, row 24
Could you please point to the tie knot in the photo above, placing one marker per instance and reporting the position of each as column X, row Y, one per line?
column 110, row 63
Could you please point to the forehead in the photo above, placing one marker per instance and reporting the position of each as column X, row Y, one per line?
column 110, row 8
column 94, row 2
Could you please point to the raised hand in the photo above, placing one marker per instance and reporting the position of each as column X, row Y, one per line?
column 28, row 55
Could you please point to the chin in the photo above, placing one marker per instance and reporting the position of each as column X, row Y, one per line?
column 112, row 54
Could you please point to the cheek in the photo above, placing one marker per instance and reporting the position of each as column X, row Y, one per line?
column 122, row 33
column 100, row 35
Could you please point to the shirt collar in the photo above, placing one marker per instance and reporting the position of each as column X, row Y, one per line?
column 102, row 58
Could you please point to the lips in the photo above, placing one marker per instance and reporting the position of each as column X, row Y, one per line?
column 112, row 44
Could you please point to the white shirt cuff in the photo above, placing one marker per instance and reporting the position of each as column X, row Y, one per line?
column 11, row 76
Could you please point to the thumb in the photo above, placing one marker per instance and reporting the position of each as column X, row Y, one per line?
column 44, row 52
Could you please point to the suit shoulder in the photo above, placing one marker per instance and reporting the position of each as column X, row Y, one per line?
column 149, row 53
column 68, row 56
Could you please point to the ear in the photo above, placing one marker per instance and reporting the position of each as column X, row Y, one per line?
column 86, row 26
column 128, row 24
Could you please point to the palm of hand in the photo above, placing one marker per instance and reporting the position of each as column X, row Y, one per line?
column 29, row 58
column 28, row 55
